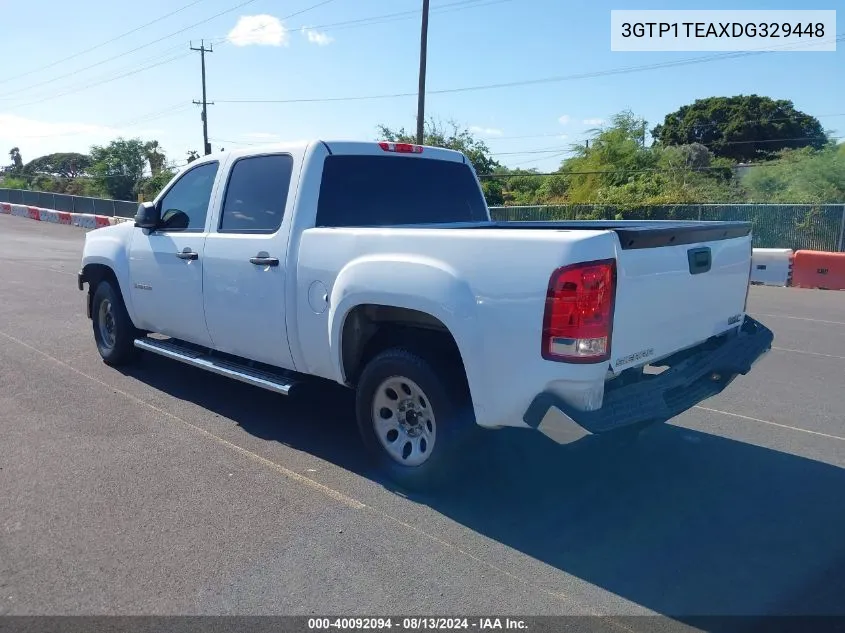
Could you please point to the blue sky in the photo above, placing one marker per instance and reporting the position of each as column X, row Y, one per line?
column 49, row 103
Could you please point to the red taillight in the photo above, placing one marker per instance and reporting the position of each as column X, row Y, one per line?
column 578, row 321
column 401, row 148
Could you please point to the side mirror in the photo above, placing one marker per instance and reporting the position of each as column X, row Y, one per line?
column 147, row 216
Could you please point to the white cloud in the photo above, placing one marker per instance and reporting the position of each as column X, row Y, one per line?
column 564, row 119
column 317, row 37
column 262, row 135
column 563, row 137
column 259, row 30
column 486, row 131
column 593, row 121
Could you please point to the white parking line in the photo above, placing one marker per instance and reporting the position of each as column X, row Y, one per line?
column 783, row 316
column 331, row 492
column 802, row 351
column 783, row 426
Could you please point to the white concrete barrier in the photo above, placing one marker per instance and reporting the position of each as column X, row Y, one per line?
column 83, row 220
column 772, row 266
column 48, row 215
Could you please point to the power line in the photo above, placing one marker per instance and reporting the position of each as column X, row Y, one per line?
column 111, row 78
column 137, row 48
column 385, row 18
column 101, row 44
column 621, row 170
column 406, row 15
column 454, row 6
column 557, row 151
column 712, row 143
column 163, row 53
column 559, row 134
column 105, row 81
column 490, row 139
column 527, row 82
column 176, row 108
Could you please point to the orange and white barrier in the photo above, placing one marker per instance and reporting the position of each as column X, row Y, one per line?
column 819, row 269
column 82, row 220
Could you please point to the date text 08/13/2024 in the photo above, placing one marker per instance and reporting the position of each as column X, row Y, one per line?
column 416, row 624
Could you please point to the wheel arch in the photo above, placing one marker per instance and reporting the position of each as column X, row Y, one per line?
column 94, row 273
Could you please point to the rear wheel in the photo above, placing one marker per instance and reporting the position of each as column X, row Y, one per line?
column 114, row 332
column 415, row 417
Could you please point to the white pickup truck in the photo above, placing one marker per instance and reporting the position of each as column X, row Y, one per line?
column 376, row 266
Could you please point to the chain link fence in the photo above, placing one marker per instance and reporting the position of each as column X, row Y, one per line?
column 798, row 226
column 74, row 204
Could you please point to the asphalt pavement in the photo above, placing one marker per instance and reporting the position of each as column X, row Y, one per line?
column 160, row 489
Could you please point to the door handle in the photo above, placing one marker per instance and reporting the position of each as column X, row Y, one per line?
column 186, row 254
column 264, row 261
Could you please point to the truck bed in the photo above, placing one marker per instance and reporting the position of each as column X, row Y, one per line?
column 632, row 234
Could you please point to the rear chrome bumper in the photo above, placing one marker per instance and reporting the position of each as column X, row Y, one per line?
column 692, row 376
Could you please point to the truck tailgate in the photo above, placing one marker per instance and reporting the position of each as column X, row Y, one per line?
column 677, row 287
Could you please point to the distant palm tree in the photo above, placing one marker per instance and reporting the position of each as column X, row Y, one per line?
column 154, row 157
column 17, row 160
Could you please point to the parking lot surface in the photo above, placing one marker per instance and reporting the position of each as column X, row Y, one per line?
column 162, row 489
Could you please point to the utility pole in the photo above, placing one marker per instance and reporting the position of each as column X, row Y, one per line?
column 423, row 54
column 204, row 103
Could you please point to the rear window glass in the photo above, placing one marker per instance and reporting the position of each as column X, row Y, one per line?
column 390, row 190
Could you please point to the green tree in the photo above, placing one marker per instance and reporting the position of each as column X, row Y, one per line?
column 799, row 176
column 615, row 157
column 150, row 187
column 616, row 169
column 118, row 167
column 450, row 136
column 523, row 186
column 742, row 128
column 62, row 165
column 17, row 160
column 155, row 158
column 14, row 183
column 493, row 192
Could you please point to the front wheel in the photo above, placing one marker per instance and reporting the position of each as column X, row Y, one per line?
column 114, row 332
column 414, row 417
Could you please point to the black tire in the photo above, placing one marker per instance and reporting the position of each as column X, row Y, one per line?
column 116, row 345
column 448, row 402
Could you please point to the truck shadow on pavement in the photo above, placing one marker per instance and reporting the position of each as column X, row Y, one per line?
column 683, row 523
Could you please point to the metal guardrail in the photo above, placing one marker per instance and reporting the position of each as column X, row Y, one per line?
column 74, row 204
column 797, row 226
